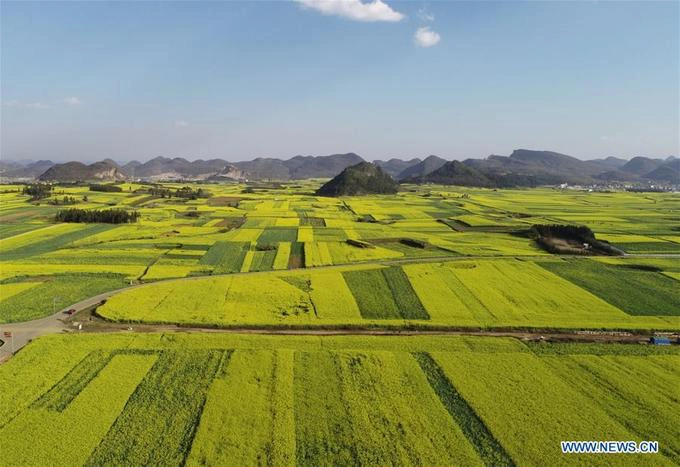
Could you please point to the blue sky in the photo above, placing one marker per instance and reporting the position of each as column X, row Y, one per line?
column 244, row 79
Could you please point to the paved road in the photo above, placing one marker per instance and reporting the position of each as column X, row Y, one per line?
column 23, row 333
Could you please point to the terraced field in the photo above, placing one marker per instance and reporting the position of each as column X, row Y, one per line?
column 211, row 399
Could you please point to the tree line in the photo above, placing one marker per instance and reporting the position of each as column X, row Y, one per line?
column 185, row 192
column 106, row 216
column 105, row 188
column 63, row 201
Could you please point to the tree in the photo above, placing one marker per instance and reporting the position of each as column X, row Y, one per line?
column 37, row 191
column 107, row 216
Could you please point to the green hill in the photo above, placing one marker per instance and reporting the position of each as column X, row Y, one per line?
column 361, row 179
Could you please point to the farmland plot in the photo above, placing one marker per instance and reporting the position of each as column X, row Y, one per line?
column 274, row 235
column 263, row 260
column 170, row 236
column 40, row 299
column 636, row 391
column 343, row 253
column 153, row 421
column 354, row 408
column 625, row 287
column 217, row 300
column 253, row 395
column 385, row 294
column 511, row 293
column 453, row 293
column 47, row 239
column 481, row 378
column 226, row 256
column 195, row 399
column 85, row 418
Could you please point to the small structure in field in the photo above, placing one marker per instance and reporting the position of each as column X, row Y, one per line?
column 660, row 340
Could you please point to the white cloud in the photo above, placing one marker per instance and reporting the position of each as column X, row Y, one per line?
column 72, row 101
column 181, row 124
column 26, row 105
column 425, row 37
column 37, row 105
column 356, row 10
column 425, row 15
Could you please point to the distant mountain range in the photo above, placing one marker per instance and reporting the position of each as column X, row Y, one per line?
column 394, row 167
column 522, row 168
column 429, row 165
column 23, row 169
column 532, row 168
column 299, row 167
column 164, row 168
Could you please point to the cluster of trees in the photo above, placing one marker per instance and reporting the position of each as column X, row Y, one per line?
column 571, row 239
column 185, row 192
column 107, row 216
column 413, row 243
column 579, row 233
column 37, row 191
column 63, row 201
column 105, row 188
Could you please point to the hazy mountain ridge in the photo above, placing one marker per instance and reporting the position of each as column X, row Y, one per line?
column 453, row 173
column 539, row 164
column 160, row 168
column 667, row 172
column 611, row 162
column 29, row 170
column 298, row 167
column 532, row 168
column 395, row 166
column 522, row 167
column 426, row 166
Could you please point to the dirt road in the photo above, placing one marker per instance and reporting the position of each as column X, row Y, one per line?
column 84, row 321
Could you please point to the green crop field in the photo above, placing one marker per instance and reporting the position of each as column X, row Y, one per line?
column 528, row 294
column 176, row 399
column 277, row 259
column 385, row 293
column 426, row 255
column 43, row 296
column 635, row 290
